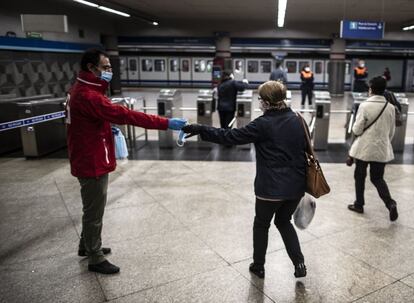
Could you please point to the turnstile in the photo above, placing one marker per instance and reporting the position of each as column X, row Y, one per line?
column 244, row 110
column 169, row 102
column 321, row 95
column 45, row 137
column 127, row 130
column 321, row 128
column 398, row 141
column 11, row 140
column 350, row 117
column 205, row 107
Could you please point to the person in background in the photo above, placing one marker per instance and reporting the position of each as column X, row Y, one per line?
column 279, row 74
column 306, row 76
column 89, row 114
column 279, row 139
column 227, row 97
column 387, row 74
column 373, row 146
column 360, row 77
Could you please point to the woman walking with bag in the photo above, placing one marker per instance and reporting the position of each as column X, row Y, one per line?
column 280, row 183
column 374, row 127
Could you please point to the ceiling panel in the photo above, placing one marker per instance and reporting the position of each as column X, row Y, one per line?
column 393, row 11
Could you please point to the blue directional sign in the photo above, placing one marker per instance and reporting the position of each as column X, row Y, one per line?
column 362, row 29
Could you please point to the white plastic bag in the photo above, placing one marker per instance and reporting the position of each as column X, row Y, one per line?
column 305, row 211
column 121, row 149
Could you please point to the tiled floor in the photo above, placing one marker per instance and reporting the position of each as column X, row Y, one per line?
column 181, row 231
column 179, row 222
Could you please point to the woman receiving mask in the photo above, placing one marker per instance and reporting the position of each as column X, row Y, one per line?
column 279, row 139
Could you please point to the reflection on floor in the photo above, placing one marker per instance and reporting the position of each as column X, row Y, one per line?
column 182, row 232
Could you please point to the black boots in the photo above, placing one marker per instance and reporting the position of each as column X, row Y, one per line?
column 300, row 270
column 104, row 268
column 355, row 208
column 257, row 269
column 392, row 207
column 82, row 252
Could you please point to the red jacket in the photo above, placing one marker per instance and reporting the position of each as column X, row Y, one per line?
column 89, row 114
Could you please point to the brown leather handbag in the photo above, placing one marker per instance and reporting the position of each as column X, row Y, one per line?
column 316, row 184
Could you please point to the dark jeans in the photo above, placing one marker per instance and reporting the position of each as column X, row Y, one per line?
column 283, row 211
column 376, row 171
column 306, row 91
column 93, row 192
column 225, row 118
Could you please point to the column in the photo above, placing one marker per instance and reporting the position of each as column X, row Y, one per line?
column 110, row 43
column 336, row 68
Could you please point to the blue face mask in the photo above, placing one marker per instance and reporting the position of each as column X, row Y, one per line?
column 107, row 76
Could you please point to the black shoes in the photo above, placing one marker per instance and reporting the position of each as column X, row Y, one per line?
column 257, row 269
column 82, row 252
column 300, row 270
column 104, row 268
column 393, row 211
column 357, row 209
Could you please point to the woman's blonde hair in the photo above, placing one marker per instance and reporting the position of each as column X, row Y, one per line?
column 274, row 93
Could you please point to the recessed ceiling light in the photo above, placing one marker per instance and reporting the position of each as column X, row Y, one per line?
column 87, row 3
column 114, row 11
column 281, row 12
column 408, row 28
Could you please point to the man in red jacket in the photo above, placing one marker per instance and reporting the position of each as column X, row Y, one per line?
column 91, row 147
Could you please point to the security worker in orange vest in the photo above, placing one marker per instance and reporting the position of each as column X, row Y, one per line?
column 360, row 77
column 306, row 87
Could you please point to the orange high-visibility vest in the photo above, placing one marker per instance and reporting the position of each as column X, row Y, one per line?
column 306, row 74
column 360, row 71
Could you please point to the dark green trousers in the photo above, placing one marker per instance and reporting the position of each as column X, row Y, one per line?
column 93, row 192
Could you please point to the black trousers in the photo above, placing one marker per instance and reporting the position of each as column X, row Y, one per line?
column 225, row 118
column 283, row 211
column 306, row 91
column 376, row 171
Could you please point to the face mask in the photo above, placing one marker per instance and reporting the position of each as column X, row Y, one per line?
column 362, row 65
column 307, row 69
column 107, row 76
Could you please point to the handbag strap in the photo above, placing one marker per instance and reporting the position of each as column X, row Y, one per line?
column 375, row 120
column 309, row 148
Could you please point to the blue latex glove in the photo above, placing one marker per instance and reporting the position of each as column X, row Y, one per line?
column 176, row 123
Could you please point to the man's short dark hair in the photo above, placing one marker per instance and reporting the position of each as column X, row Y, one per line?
column 378, row 85
column 92, row 56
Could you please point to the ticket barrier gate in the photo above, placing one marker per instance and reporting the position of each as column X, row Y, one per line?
column 244, row 111
column 398, row 141
column 350, row 118
column 321, row 95
column 321, row 128
column 205, row 107
column 169, row 102
column 127, row 129
column 45, row 137
column 11, row 140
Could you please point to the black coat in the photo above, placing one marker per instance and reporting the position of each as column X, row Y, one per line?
column 227, row 94
column 279, row 139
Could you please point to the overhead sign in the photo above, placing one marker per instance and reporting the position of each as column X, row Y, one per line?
column 362, row 29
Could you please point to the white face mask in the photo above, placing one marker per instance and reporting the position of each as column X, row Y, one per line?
column 307, row 69
column 361, row 65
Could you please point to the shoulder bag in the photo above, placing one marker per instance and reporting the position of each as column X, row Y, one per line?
column 316, row 184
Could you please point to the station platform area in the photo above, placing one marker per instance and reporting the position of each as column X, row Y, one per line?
column 179, row 223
